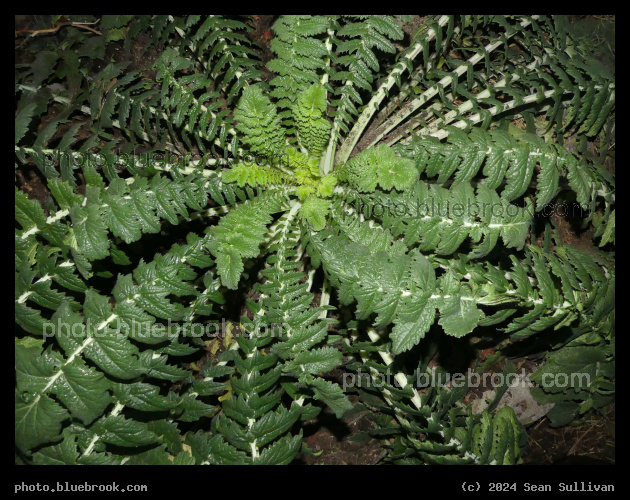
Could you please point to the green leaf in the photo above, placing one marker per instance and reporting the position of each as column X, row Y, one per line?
column 331, row 394
column 83, row 390
column 120, row 217
column 281, row 452
column 144, row 397
column 121, row 431
column 379, row 165
column 28, row 213
column 37, row 420
column 580, row 182
column 459, row 315
column 411, row 327
column 314, row 211
column 158, row 367
column 194, row 409
column 30, row 319
column 222, row 453
column 64, row 453
column 314, row 361
column 274, row 424
column 90, row 231
column 563, row 413
column 22, row 120
column 229, row 267
column 547, row 182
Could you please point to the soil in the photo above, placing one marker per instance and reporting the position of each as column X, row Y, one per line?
column 590, row 443
column 344, row 441
column 347, row 441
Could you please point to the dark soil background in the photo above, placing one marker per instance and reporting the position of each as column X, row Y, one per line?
column 347, row 441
